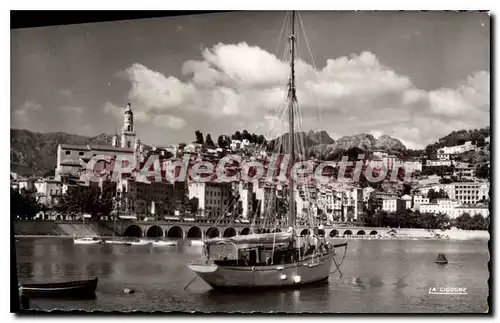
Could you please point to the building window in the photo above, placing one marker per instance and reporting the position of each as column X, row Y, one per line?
column 128, row 144
column 80, row 153
column 67, row 152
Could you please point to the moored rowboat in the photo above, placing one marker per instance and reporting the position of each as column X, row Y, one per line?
column 161, row 243
column 87, row 240
column 72, row 289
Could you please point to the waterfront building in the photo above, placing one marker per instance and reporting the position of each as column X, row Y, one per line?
column 395, row 204
column 472, row 210
column 412, row 166
column 419, row 200
column 467, row 146
column 464, row 169
column 213, row 198
column 247, row 198
column 136, row 197
column 27, row 184
column 470, row 192
column 389, row 161
column 47, row 190
column 437, row 163
column 442, row 155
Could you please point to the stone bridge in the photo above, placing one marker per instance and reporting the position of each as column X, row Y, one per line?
column 203, row 229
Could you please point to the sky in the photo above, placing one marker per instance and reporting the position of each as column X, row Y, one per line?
column 415, row 76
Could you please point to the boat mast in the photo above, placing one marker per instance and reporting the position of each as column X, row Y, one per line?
column 291, row 101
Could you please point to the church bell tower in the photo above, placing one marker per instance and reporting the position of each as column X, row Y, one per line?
column 128, row 129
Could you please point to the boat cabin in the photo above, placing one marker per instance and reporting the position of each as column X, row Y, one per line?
column 239, row 251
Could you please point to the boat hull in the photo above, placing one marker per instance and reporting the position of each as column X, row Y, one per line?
column 164, row 243
column 307, row 271
column 86, row 241
column 74, row 289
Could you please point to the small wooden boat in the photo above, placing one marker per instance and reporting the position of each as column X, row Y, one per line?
column 162, row 243
column 72, row 289
column 116, row 242
column 196, row 243
column 87, row 240
column 138, row 243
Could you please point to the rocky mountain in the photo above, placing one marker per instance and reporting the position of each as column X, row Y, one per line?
column 321, row 137
column 309, row 139
column 388, row 143
column 363, row 141
column 320, row 144
column 33, row 152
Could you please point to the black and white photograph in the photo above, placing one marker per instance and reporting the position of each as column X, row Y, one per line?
column 299, row 161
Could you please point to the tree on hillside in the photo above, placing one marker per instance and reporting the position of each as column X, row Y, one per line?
column 246, row 135
column 353, row 153
column 463, row 221
column 483, row 171
column 84, row 200
column 432, row 195
column 23, row 205
column 209, row 142
column 236, row 136
column 261, row 140
column 222, row 141
column 199, row 137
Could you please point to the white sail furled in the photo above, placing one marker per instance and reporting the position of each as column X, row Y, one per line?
column 264, row 238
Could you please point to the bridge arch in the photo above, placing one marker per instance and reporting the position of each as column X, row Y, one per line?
column 276, row 230
column 133, row 231
column 155, row 231
column 212, row 232
column 373, row 232
column 347, row 233
column 334, row 233
column 321, row 232
column 230, row 232
column 361, row 233
column 245, row 231
column 175, row 232
column 195, row 232
column 304, row 232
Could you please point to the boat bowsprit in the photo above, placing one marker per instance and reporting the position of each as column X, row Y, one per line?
column 71, row 289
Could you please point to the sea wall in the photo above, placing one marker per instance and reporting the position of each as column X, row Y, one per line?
column 61, row 228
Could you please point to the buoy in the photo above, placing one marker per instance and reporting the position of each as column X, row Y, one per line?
column 128, row 291
column 441, row 259
column 283, row 277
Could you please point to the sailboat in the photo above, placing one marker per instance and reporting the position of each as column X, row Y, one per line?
column 270, row 260
column 160, row 242
column 88, row 239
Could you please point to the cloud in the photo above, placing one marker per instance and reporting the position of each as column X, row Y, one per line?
column 245, row 86
column 169, row 122
column 73, row 110
column 22, row 114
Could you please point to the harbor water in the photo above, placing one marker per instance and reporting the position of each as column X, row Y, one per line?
column 379, row 276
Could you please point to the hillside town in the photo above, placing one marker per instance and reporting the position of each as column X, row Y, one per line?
column 441, row 183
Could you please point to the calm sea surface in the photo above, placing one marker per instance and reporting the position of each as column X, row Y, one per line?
column 378, row 276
